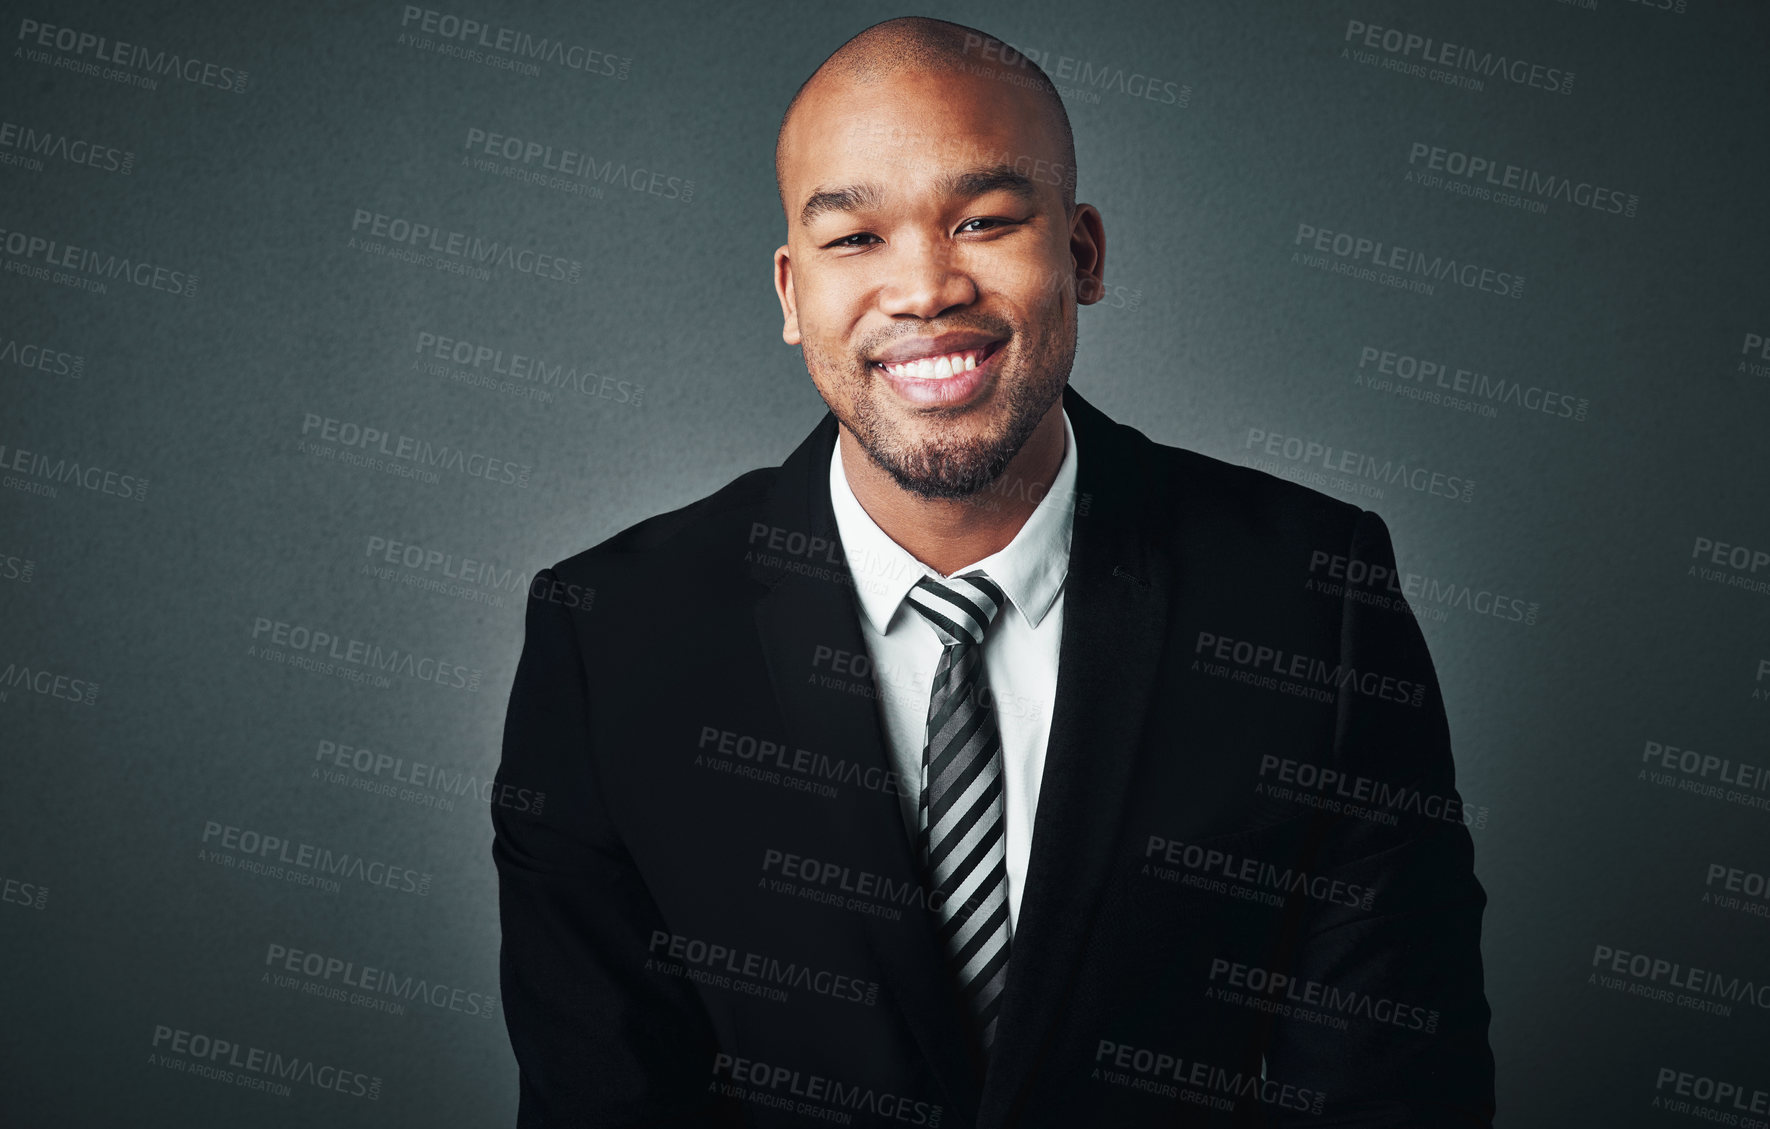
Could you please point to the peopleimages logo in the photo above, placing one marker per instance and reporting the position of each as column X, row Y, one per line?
column 1278, row 991
column 261, row 853
column 259, row 1069
column 37, row 473
column 1332, row 783
column 1198, row 1083
column 1737, row 1098
column 815, row 1095
column 1213, row 868
column 1381, row 586
column 1381, row 369
column 869, row 888
column 137, row 62
column 1358, row 252
column 1704, row 766
column 383, row 772
column 1065, row 69
column 1309, row 453
column 1410, row 47
column 1313, row 675
column 48, row 683
column 753, row 973
column 726, row 750
column 1757, row 347
column 85, row 269
column 1721, row 562
column 322, row 646
column 463, row 253
column 42, row 358
column 330, row 977
column 1481, row 176
column 17, row 892
column 439, row 571
column 465, row 36
column 536, row 157
column 477, row 363
column 1670, row 981
column 24, row 569
column 25, row 146
column 419, row 457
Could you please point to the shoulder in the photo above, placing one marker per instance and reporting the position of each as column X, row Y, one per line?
column 685, row 540
column 1188, row 492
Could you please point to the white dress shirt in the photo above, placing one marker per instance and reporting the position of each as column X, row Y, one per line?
column 1019, row 651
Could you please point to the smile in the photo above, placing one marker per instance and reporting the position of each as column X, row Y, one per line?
column 941, row 367
column 942, row 380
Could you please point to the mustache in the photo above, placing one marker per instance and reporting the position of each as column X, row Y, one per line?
column 995, row 327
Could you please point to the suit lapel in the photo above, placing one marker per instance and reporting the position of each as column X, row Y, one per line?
column 796, row 616
column 1114, row 622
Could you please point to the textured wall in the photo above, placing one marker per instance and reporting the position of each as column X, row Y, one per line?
column 207, row 306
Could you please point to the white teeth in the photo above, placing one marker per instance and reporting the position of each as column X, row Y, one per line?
column 936, row 368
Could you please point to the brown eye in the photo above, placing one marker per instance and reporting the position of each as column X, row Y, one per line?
column 993, row 221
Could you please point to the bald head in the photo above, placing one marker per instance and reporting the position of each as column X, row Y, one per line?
column 912, row 44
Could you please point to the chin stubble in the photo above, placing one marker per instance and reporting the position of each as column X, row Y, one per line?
column 947, row 466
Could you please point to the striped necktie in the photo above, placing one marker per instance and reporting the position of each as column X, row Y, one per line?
column 960, row 842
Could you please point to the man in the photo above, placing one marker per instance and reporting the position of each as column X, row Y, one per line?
column 984, row 764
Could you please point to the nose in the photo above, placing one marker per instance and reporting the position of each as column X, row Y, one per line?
column 924, row 281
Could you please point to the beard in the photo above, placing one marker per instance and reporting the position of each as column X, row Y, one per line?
column 935, row 461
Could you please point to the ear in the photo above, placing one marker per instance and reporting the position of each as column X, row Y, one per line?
column 1087, row 247
column 783, row 289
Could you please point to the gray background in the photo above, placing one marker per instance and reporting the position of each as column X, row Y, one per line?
column 115, row 925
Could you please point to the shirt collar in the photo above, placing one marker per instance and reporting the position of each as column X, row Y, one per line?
column 1030, row 568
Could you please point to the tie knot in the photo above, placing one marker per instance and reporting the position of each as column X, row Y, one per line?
column 959, row 608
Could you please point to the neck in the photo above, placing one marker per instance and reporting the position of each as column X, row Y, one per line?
column 950, row 534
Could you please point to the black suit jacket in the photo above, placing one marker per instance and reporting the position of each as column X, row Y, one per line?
column 1250, row 899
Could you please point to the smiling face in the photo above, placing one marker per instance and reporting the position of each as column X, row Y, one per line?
column 930, row 272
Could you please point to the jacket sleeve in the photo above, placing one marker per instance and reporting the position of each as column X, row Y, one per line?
column 1406, row 972
column 599, row 1039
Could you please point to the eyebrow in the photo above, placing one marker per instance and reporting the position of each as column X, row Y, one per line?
column 971, row 182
